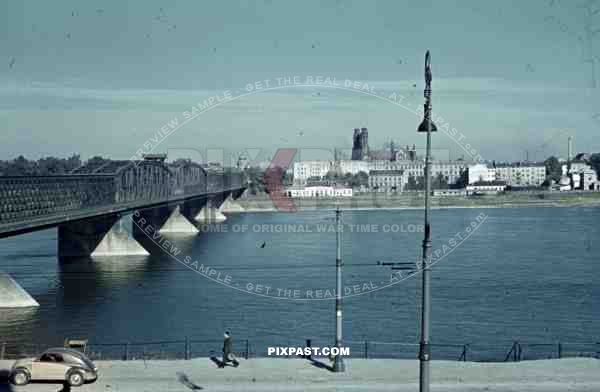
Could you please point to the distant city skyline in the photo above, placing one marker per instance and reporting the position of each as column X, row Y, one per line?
column 511, row 77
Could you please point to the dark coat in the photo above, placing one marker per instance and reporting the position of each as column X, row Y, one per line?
column 227, row 346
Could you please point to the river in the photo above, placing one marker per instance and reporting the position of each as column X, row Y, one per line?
column 527, row 274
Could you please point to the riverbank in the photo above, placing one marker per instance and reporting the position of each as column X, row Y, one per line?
column 271, row 374
column 263, row 202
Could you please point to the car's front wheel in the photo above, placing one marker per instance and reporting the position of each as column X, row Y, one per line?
column 75, row 378
column 20, row 377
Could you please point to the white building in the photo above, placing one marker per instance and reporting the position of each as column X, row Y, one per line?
column 307, row 169
column 488, row 188
column 387, row 181
column 564, row 184
column 521, row 174
column 481, row 173
column 581, row 171
column 354, row 167
column 451, row 170
column 320, row 191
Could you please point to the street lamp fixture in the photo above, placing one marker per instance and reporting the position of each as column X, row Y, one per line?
column 426, row 124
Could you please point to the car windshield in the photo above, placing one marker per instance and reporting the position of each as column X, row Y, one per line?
column 51, row 357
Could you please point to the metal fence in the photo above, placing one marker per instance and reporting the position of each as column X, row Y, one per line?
column 165, row 350
column 191, row 348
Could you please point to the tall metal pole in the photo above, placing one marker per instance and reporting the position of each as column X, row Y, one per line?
column 424, row 348
column 338, row 364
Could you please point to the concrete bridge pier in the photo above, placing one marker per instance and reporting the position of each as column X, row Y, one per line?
column 191, row 208
column 97, row 236
column 211, row 213
column 230, row 205
column 176, row 217
column 12, row 295
column 237, row 194
column 178, row 222
column 147, row 223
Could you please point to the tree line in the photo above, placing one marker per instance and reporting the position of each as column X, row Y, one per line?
column 42, row 167
column 49, row 166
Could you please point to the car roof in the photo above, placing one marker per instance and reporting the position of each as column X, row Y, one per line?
column 63, row 350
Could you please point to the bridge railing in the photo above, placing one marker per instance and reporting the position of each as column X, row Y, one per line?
column 35, row 197
column 24, row 198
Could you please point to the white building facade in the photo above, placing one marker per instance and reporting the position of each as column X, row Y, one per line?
column 481, row 173
column 320, row 191
column 310, row 169
column 521, row 174
column 451, row 170
column 486, row 188
column 584, row 176
column 387, row 181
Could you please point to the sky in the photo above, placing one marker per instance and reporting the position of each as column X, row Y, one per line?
column 510, row 77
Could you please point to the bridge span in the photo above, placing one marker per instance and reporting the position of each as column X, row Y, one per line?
column 87, row 205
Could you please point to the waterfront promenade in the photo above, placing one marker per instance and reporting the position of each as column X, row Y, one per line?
column 274, row 374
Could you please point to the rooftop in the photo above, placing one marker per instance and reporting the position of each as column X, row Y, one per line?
column 516, row 164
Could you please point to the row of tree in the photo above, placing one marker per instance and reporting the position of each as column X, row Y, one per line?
column 595, row 163
column 257, row 178
column 360, row 179
column 418, row 183
column 43, row 167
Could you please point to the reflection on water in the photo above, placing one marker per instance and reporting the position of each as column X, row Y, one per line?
column 17, row 319
column 103, row 271
column 17, row 316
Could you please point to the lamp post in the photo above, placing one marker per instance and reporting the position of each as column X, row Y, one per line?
column 426, row 126
column 338, row 364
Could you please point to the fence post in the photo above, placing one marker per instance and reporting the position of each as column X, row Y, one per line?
column 187, row 347
column 3, row 350
column 126, row 356
column 247, row 348
column 559, row 350
column 366, row 349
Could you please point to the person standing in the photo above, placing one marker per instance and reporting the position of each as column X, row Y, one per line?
column 226, row 349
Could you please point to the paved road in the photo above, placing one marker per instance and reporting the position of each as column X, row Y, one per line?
column 267, row 374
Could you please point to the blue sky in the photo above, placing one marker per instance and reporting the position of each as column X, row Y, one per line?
column 102, row 79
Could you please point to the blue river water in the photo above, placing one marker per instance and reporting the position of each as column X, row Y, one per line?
column 526, row 274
